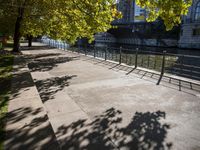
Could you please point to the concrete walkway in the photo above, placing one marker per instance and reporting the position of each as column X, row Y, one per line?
column 92, row 104
column 28, row 126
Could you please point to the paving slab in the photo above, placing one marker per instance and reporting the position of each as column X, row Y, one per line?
column 27, row 123
column 109, row 108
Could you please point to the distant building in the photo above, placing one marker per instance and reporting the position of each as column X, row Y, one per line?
column 190, row 32
column 131, row 12
column 134, row 30
column 124, row 6
column 139, row 14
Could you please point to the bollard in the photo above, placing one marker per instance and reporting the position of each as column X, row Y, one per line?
column 120, row 55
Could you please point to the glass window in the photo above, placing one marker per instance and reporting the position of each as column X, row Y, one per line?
column 197, row 12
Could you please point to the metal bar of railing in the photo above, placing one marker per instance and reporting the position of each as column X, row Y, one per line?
column 120, row 55
column 162, row 68
column 94, row 51
column 173, row 63
column 136, row 58
column 106, row 53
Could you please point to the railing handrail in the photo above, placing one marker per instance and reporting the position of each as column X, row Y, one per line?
column 137, row 57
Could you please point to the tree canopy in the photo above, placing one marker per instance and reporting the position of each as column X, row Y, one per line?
column 59, row 19
column 170, row 11
column 71, row 19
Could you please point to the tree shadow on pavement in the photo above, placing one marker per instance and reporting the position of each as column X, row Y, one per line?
column 144, row 132
column 33, row 133
column 42, row 47
column 48, row 63
column 49, row 87
column 21, row 82
column 43, row 55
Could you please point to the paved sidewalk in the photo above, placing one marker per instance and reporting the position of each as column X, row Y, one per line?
column 91, row 105
column 28, row 127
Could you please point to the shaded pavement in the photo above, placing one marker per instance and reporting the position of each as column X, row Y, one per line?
column 88, row 105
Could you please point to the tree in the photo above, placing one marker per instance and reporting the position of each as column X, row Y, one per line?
column 170, row 11
column 59, row 19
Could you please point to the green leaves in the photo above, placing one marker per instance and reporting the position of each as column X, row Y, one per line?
column 82, row 18
column 61, row 19
column 170, row 11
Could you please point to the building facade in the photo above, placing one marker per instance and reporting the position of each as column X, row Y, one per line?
column 131, row 12
column 190, row 31
column 134, row 30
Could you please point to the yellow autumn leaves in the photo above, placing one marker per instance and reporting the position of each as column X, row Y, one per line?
column 170, row 11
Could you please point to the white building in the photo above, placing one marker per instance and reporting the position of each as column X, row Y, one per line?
column 190, row 32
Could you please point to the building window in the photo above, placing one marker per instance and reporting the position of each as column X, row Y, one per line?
column 197, row 12
column 196, row 32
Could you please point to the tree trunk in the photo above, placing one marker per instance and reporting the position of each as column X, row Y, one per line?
column 17, row 34
column 30, row 38
column 18, row 27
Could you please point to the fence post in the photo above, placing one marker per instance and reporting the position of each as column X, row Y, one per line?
column 106, row 52
column 120, row 55
column 78, row 49
column 163, row 68
column 94, row 51
column 136, row 58
column 181, row 71
column 85, row 51
column 148, row 61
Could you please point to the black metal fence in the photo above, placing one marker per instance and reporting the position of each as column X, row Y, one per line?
column 180, row 65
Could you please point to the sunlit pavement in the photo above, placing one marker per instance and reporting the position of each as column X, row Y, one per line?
column 91, row 105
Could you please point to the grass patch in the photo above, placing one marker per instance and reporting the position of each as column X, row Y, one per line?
column 6, row 63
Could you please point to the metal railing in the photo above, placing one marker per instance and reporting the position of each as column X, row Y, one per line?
column 175, row 64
